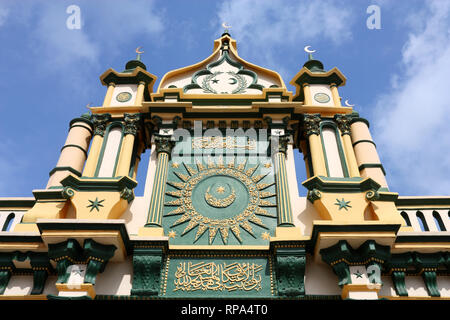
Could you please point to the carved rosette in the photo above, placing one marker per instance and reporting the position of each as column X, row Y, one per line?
column 100, row 121
column 343, row 122
column 164, row 144
column 131, row 123
column 312, row 124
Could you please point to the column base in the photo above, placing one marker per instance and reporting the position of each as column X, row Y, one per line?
column 151, row 232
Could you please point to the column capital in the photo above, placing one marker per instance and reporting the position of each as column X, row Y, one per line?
column 131, row 123
column 312, row 122
column 164, row 144
column 100, row 121
column 343, row 122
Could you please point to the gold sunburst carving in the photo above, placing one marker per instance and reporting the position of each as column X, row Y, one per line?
column 188, row 216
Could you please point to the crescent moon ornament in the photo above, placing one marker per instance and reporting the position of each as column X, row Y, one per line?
column 348, row 104
column 138, row 50
column 233, row 81
column 222, row 203
column 224, row 25
column 308, row 50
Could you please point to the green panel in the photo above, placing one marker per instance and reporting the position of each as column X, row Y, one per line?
column 224, row 277
column 217, row 198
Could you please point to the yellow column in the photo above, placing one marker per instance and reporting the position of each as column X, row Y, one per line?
column 312, row 122
column 307, row 93
column 109, row 94
column 130, row 132
column 140, row 93
column 343, row 123
column 99, row 121
column 335, row 94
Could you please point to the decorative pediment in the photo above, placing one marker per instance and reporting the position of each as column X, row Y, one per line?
column 224, row 76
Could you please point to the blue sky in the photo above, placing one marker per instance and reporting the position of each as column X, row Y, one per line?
column 397, row 76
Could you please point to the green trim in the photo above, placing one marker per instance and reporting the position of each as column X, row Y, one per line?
column 49, row 194
column 80, row 126
column 75, row 120
column 422, row 236
column 363, row 141
column 74, row 146
column 76, row 172
column 17, row 203
column 437, row 201
column 359, row 119
column 111, row 126
column 372, row 165
column 332, row 125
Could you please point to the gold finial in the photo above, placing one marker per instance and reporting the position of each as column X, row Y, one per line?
column 226, row 27
column 139, row 52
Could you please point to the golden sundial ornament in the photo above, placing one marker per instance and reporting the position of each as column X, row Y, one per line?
column 219, row 198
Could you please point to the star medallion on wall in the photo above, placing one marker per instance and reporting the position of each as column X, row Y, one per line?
column 343, row 204
column 175, row 165
column 267, row 165
column 96, row 204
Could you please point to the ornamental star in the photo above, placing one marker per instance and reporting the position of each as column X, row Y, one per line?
column 175, row 165
column 220, row 189
column 172, row 234
column 265, row 236
column 214, row 80
column 358, row 274
column 343, row 204
column 267, row 165
column 95, row 204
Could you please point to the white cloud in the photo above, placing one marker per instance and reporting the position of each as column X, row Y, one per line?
column 411, row 121
column 267, row 28
column 3, row 15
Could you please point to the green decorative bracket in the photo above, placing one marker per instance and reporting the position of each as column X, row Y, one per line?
column 428, row 265
column 97, row 256
column 398, row 265
column 40, row 263
column 290, row 271
column 342, row 255
column 65, row 254
column 146, row 271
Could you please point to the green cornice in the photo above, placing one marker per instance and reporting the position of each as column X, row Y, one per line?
column 317, row 229
column 341, row 185
column 74, row 225
column 48, row 194
column 422, row 237
column 99, row 184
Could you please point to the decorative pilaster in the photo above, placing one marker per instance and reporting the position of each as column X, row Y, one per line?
column 285, row 218
column 312, row 130
column 343, row 122
column 164, row 145
column 130, row 131
column 100, row 122
column 147, row 264
column 290, row 270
